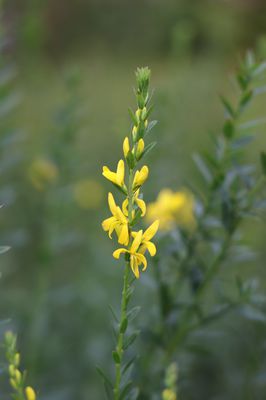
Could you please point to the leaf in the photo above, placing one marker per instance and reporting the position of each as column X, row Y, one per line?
column 130, row 340
column 203, row 168
column 113, row 313
column 148, row 148
column 263, row 161
column 133, row 117
column 242, row 142
column 253, row 123
column 228, row 107
column 228, row 129
column 133, row 313
column 116, row 357
column 253, row 313
column 123, row 326
column 246, row 99
column 104, row 377
column 150, row 126
column 4, row 249
column 259, row 69
column 128, row 365
column 126, row 390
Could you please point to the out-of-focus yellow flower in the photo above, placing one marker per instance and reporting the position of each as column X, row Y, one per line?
column 116, row 177
column 42, row 173
column 168, row 394
column 30, row 393
column 88, row 194
column 173, row 208
column 136, row 258
column 117, row 222
column 140, row 177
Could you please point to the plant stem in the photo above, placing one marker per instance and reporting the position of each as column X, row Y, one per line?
column 125, row 298
column 120, row 340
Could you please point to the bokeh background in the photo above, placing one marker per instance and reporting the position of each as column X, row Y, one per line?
column 67, row 74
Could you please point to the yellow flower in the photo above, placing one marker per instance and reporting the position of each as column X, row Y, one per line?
column 116, row 177
column 117, row 222
column 136, row 258
column 30, row 393
column 88, row 194
column 173, row 208
column 42, row 173
column 169, row 394
column 126, row 147
column 140, row 203
column 140, row 177
column 146, row 243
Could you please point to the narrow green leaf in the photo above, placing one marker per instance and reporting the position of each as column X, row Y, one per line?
column 116, row 357
column 148, row 149
column 125, row 390
column 246, row 99
column 128, row 365
column 133, row 313
column 133, row 117
column 104, row 376
column 203, row 168
column 130, row 340
column 228, row 129
column 4, row 249
column 228, row 107
column 150, row 126
column 113, row 313
column 263, row 161
column 123, row 326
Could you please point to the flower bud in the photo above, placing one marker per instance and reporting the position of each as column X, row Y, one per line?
column 140, row 148
column 17, row 359
column 11, row 370
column 30, row 393
column 126, row 147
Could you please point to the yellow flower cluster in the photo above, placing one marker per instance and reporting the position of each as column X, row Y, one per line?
column 124, row 218
column 173, row 208
column 171, row 376
column 16, row 377
column 42, row 173
column 88, row 194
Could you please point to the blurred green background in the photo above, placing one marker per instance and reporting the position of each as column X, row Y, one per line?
column 66, row 83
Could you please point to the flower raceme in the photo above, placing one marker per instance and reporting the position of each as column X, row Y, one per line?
column 133, row 207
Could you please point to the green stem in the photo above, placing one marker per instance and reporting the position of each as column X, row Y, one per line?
column 124, row 301
column 120, row 340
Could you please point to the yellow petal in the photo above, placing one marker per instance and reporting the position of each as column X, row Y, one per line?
column 134, row 266
column 107, row 223
column 111, row 203
column 120, row 173
column 126, row 147
column 124, row 236
column 151, row 231
column 125, row 207
column 118, row 252
column 150, row 247
column 141, row 204
column 141, row 176
column 136, row 242
column 120, row 216
column 142, row 260
column 111, row 176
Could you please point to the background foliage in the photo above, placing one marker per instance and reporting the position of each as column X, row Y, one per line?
column 66, row 73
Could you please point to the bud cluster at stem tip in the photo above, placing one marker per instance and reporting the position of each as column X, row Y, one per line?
column 16, row 377
column 129, row 180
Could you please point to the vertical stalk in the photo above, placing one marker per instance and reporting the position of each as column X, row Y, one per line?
column 124, row 300
column 120, row 340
